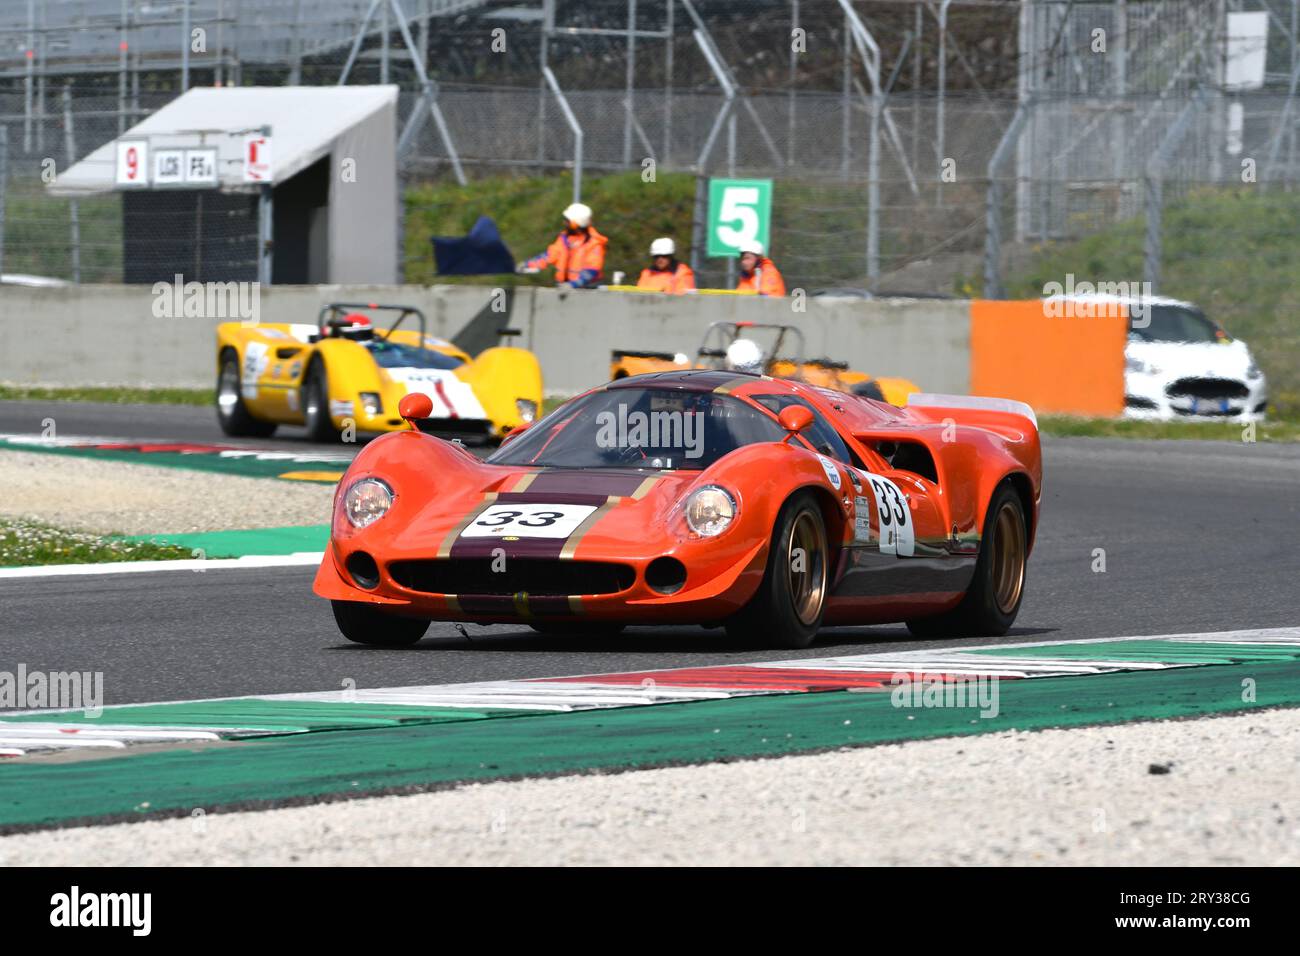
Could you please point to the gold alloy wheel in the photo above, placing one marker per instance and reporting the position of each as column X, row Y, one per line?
column 1008, row 558
column 806, row 564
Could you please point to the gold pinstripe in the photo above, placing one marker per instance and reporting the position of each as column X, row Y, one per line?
column 571, row 545
column 643, row 489
column 524, row 482
column 444, row 549
column 726, row 387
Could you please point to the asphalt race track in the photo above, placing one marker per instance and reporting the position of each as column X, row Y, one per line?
column 1197, row 536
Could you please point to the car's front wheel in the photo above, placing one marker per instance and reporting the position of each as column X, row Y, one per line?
column 366, row 624
column 998, row 586
column 232, row 413
column 787, row 610
column 316, row 405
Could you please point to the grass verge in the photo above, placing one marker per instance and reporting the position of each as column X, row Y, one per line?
column 25, row 544
column 1066, row 426
column 112, row 395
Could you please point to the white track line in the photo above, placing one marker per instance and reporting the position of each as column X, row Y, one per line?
column 298, row 559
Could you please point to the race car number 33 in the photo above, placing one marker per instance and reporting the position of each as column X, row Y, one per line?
column 527, row 521
column 897, row 534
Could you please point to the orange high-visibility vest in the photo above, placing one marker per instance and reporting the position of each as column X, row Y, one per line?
column 764, row 280
column 680, row 280
column 577, row 258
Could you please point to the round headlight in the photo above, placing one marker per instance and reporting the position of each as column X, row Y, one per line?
column 709, row 510
column 367, row 501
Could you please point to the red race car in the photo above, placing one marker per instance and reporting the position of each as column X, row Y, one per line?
column 765, row 505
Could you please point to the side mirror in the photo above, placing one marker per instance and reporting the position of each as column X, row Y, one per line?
column 794, row 419
column 415, row 407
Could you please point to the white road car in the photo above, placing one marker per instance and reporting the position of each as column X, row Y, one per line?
column 1181, row 365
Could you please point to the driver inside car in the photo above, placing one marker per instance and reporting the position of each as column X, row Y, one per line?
column 354, row 326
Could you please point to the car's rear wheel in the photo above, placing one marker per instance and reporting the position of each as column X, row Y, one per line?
column 788, row 607
column 998, row 586
column 316, row 405
column 366, row 624
column 232, row 413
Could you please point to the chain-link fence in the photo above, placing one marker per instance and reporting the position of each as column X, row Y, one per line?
column 878, row 122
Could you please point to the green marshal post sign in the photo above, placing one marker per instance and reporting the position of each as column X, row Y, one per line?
column 739, row 210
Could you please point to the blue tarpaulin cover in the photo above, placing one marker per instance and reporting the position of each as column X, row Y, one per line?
column 480, row 253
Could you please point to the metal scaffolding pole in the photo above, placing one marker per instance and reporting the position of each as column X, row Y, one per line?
column 1154, row 183
column 574, row 125
column 122, row 45
column 428, row 88
column 630, row 101
column 940, row 117
column 30, row 79
column 792, row 105
column 668, row 86
column 993, row 204
column 185, row 45
column 265, row 230
column 4, row 181
column 698, row 239
column 74, row 212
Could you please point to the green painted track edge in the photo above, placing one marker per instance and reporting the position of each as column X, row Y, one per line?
column 307, row 768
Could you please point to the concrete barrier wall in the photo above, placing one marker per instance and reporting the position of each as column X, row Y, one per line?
column 113, row 335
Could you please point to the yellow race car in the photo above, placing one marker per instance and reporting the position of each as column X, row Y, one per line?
column 729, row 345
column 344, row 372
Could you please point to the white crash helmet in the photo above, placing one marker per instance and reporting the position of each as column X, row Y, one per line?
column 578, row 213
column 751, row 245
column 745, row 355
column 663, row 247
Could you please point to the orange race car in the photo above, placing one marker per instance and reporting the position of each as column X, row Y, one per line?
column 731, row 345
column 769, row 506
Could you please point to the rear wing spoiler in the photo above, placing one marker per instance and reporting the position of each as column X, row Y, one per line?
column 972, row 402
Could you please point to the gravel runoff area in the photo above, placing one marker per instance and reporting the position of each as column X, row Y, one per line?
column 109, row 497
column 1210, row 791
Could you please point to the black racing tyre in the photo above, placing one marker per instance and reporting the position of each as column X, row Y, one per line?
column 998, row 586
column 869, row 389
column 584, row 629
column 232, row 413
column 366, row 624
column 316, row 405
column 787, row 609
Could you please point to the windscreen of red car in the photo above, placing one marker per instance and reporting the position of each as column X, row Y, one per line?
column 641, row 428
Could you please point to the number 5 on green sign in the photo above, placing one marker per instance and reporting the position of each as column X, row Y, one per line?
column 739, row 210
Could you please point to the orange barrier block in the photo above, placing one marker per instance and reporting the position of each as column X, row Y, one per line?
column 1068, row 365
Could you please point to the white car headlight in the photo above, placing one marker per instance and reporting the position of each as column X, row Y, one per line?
column 1253, row 372
column 710, row 510
column 1140, row 367
column 367, row 501
column 527, row 410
